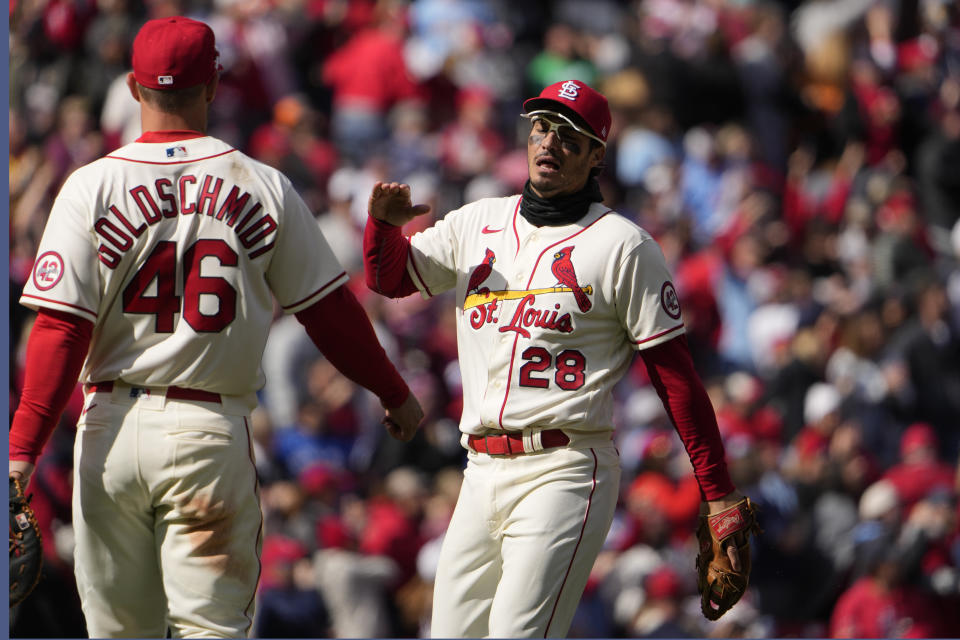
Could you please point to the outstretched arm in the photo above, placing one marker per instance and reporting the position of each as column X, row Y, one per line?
column 385, row 251
column 385, row 248
column 340, row 328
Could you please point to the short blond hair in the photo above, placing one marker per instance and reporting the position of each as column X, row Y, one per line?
column 171, row 100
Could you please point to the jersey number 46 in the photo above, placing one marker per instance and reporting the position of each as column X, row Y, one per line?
column 161, row 265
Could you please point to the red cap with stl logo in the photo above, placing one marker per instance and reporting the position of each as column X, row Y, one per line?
column 574, row 99
column 174, row 53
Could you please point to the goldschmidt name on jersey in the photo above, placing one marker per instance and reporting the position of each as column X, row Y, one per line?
column 164, row 201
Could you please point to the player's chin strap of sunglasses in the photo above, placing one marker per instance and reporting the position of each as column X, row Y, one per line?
column 545, row 116
column 506, row 444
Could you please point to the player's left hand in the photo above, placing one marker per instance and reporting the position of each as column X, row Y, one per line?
column 716, row 506
column 402, row 422
column 723, row 561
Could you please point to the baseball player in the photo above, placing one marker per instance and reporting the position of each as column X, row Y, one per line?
column 157, row 274
column 554, row 292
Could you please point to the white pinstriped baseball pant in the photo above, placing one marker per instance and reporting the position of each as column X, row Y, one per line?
column 522, row 540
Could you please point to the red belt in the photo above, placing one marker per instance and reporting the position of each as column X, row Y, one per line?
column 173, row 393
column 505, row 444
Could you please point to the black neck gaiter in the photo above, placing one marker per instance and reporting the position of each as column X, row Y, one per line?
column 561, row 210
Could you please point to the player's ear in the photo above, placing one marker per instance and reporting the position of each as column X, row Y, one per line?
column 597, row 155
column 132, row 85
column 211, row 88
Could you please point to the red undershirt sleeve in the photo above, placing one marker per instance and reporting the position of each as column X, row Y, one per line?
column 56, row 349
column 385, row 251
column 340, row 328
column 684, row 397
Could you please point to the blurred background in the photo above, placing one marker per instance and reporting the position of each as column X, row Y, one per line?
column 799, row 164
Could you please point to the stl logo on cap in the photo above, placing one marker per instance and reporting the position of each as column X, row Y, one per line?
column 575, row 99
column 569, row 90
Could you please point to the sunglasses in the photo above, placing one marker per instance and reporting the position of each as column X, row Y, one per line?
column 562, row 129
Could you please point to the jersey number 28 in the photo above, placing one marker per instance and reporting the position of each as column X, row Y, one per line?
column 569, row 368
column 161, row 265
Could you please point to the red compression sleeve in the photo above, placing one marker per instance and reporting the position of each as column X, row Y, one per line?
column 685, row 399
column 385, row 250
column 56, row 348
column 340, row 328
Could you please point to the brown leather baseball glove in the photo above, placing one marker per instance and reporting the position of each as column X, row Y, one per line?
column 720, row 585
column 26, row 548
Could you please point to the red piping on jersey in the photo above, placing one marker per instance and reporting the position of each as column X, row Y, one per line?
column 516, row 337
column 256, row 491
column 170, row 135
column 192, row 160
column 516, row 236
column 320, row 290
column 567, row 239
column 513, row 357
column 662, row 333
column 579, row 540
column 417, row 271
column 532, row 272
column 66, row 304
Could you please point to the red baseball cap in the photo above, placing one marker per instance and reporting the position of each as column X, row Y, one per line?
column 332, row 533
column 174, row 53
column 916, row 436
column 663, row 583
column 585, row 106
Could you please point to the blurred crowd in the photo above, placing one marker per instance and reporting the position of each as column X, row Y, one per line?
column 798, row 162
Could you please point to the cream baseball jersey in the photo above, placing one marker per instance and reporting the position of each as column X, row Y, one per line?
column 547, row 317
column 176, row 250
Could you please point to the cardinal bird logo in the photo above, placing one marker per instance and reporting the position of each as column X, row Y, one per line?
column 481, row 272
column 562, row 268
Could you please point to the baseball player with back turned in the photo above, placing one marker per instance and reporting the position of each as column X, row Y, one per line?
column 554, row 292
column 156, row 274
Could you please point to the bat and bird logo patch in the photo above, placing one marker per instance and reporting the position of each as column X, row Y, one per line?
column 484, row 303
